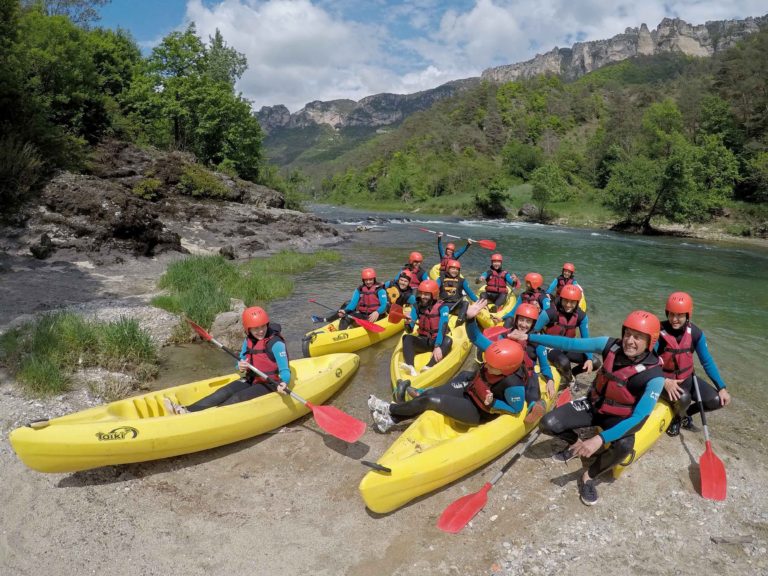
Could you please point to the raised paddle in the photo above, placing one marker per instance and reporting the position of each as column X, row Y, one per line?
column 714, row 484
column 329, row 418
column 458, row 514
column 395, row 313
column 487, row 244
column 370, row 326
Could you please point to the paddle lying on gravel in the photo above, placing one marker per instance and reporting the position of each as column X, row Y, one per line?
column 329, row 418
column 370, row 326
column 487, row 244
column 714, row 484
column 458, row 514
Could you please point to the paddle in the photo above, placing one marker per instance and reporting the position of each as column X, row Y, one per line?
column 370, row 326
column 494, row 332
column 329, row 418
column 487, row 244
column 713, row 480
column 395, row 313
column 458, row 514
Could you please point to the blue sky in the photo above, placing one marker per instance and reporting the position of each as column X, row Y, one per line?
column 304, row 50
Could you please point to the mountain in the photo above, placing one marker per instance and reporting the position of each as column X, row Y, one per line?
column 672, row 35
column 323, row 131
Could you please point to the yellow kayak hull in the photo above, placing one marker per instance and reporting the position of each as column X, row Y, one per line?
column 441, row 372
column 330, row 340
column 436, row 450
column 484, row 317
column 139, row 429
column 434, row 272
column 654, row 427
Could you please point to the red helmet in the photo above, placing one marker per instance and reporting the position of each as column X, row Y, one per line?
column 429, row 286
column 527, row 311
column 415, row 257
column 368, row 274
column 453, row 264
column 569, row 266
column 450, row 246
column 505, row 355
column 534, row 279
column 680, row 303
column 646, row 323
column 496, row 257
column 254, row 317
column 571, row 292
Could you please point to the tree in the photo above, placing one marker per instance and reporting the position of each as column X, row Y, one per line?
column 632, row 187
column 549, row 185
column 519, row 159
column 491, row 203
column 222, row 63
column 78, row 11
column 661, row 123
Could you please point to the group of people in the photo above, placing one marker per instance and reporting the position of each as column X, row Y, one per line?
column 651, row 359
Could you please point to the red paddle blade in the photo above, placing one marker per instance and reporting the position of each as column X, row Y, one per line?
column 494, row 332
column 370, row 326
column 563, row 398
column 487, row 244
column 337, row 423
column 200, row 330
column 713, row 481
column 395, row 314
column 458, row 514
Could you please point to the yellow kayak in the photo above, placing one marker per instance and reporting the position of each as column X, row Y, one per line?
column 434, row 272
column 654, row 427
column 139, row 429
column 484, row 317
column 436, row 450
column 330, row 340
column 441, row 372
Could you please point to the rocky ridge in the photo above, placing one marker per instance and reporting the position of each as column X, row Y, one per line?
column 672, row 35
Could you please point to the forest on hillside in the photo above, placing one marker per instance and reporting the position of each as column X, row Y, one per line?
column 669, row 136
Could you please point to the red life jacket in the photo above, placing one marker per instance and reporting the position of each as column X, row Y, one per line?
column 451, row 289
column 258, row 353
column 610, row 393
column 483, row 382
column 444, row 262
column 369, row 298
column 564, row 326
column 413, row 276
column 429, row 320
column 677, row 357
column 562, row 282
column 496, row 283
column 535, row 297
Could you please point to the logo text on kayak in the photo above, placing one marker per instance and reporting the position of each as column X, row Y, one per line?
column 118, row 434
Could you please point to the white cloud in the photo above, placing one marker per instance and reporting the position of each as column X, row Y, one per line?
column 304, row 50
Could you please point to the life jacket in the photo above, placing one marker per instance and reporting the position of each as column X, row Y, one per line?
column 495, row 282
column 444, row 262
column 484, row 381
column 429, row 320
column 677, row 357
column 562, row 283
column 610, row 393
column 259, row 353
column 451, row 289
column 369, row 298
column 535, row 297
column 564, row 326
column 414, row 277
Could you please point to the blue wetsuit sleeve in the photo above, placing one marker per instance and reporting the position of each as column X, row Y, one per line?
column 596, row 344
column 424, row 275
column 584, row 333
column 441, row 327
column 460, row 251
column 414, row 312
column 352, row 306
column 383, row 300
column 509, row 280
column 642, row 410
column 547, row 302
column 484, row 276
column 440, row 250
column 387, row 284
column 708, row 363
column 546, row 370
column 541, row 322
column 476, row 336
column 468, row 290
column 552, row 287
column 243, row 349
column 281, row 357
column 511, row 313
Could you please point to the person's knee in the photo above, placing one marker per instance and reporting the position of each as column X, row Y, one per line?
column 682, row 403
column 550, row 424
column 623, row 446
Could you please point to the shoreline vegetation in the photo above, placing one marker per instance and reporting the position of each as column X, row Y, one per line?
column 44, row 355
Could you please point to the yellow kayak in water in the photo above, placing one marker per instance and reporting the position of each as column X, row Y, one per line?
column 330, row 340
column 139, row 429
column 436, row 450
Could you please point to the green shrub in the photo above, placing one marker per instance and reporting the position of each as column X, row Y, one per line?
column 198, row 182
column 20, row 167
column 148, row 188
